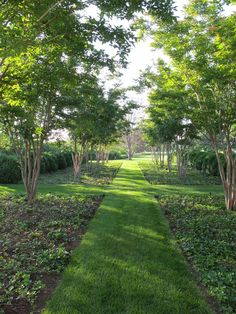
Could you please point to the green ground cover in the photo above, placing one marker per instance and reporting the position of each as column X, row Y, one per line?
column 36, row 242
column 63, row 182
column 206, row 232
column 128, row 262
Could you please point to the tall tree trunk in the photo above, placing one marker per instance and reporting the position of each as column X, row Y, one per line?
column 169, row 157
column 154, row 156
column 178, row 159
column 228, row 176
column 129, row 146
column 30, row 169
column 162, row 153
column 107, row 157
column 184, row 165
column 77, row 158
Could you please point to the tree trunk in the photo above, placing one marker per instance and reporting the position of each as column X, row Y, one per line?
column 107, row 157
column 162, row 156
column 184, row 165
column 228, row 177
column 77, row 158
column 30, row 170
column 169, row 157
column 178, row 159
column 129, row 146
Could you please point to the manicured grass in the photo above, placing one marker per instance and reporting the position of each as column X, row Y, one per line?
column 128, row 262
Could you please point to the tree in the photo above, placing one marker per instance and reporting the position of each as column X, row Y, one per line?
column 94, row 119
column 202, row 47
column 169, row 127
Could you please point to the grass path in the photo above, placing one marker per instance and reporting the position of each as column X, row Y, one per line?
column 128, row 262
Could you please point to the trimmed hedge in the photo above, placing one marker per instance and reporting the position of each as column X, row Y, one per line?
column 9, row 169
column 206, row 162
column 113, row 155
column 51, row 161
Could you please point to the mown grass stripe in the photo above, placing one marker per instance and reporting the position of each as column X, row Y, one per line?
column 128, row 261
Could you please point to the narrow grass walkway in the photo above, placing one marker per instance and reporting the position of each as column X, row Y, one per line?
column 128, row 262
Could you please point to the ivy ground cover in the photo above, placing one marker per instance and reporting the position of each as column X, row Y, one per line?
column 36, row 244
column 206, row 233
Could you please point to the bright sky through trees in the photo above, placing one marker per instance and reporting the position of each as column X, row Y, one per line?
column 142, row 55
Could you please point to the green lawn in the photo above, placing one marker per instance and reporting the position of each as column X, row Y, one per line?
column 128, row 262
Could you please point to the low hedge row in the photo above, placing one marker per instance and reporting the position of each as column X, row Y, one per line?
column 113, row 155
column 9, row 169
column 205, row 161
column 51, row 161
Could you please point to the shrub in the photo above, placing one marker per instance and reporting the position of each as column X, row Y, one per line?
column 206, row 161
column 51, row 162
column 117, row 155
column 61, row 160
column 68, row 158
column 9, row 169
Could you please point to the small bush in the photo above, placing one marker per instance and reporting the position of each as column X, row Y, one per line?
column 206, row 162
column 51, row 162
column 9, row 169
column 68, row 158
column 61, row 160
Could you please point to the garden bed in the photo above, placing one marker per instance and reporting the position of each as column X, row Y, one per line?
column 160, row 176
column 206, row 233
column 36, row 245
column 98, row 175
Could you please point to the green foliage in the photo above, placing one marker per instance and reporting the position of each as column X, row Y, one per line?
column 206, row 234
column 55, row 158
column 9, row 169
column 206, row 162
column 52, row 160
column 156, row 175
column 36, row 240
column 117, row 154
